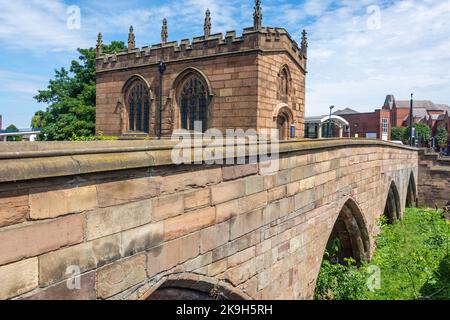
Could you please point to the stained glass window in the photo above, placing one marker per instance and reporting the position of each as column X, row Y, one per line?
column 139, row 106
column 193, row 102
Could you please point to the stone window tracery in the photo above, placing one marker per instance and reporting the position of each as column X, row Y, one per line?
column 139, row 107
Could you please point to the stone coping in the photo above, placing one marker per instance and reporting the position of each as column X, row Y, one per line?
column 437, row 156
column 36, row 160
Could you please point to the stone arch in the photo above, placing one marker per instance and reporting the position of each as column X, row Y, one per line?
column 284, row 83
column 392, row 209
column 128, row 115
column 188, row 286
column 283, row 117
column 351, row 230
column 411, row 193
column 192, row 93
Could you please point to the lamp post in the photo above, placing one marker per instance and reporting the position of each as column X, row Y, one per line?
column 411, row 115
column 329, row 122
column 162, row 68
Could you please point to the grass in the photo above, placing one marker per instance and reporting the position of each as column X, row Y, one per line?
column 412, row 260
column 413, row 256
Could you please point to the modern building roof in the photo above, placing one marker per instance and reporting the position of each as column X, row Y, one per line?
column 324, row 119
column 422, row 104
column 345, row 111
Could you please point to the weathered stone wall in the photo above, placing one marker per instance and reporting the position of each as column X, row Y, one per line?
column 269, row 66
column 130, row 230
column 434, row 180
column 242, row 72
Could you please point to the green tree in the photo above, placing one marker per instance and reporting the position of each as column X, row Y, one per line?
column 398, row 133
column 423, row 133
column 441, row 136
column 71, row 98
column 13, row 128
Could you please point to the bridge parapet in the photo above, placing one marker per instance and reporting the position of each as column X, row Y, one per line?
column 127, row 220
column 434, row 180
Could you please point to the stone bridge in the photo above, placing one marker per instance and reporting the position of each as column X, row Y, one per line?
column 118, row 220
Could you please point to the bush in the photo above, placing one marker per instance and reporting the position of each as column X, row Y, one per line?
column 339, row 281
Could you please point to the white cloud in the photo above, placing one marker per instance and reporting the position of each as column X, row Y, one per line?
column 351, row 65
column 20, row 83
column 38, row 26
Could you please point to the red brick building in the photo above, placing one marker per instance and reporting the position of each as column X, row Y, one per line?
column 370, row 125
column 378, row 124
column 253, row 81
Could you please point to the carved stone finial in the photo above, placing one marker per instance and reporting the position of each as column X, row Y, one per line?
column 207, row 26
column 99, row 47
column 131, row 39
column 164, row 33
column 257, row 16
column 304, row 47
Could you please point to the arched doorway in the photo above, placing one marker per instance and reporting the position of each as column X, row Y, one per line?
column 283, row 126
column 284, row 117
column 411, row 194
column 392, row 209
column 350, row 233
column 194, row 287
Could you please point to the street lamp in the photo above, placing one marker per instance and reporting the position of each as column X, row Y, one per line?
column 162, row 68
column 411, row 115
column 329, row 122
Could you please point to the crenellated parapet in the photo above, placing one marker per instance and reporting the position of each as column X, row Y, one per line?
column 266, row 39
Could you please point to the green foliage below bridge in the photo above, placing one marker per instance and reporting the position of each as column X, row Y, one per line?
column 412, row 256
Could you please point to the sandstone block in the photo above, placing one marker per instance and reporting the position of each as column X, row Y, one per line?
column 38, row 238
column 214, row 236
column 245, row 223
column 105, row 221
column 54, row 203
column 183, row 181
column 239, row 171
column 241, row 257
column 13, row 209
column 120, row 276
column 196, row 199
column 254, row 184
column 118, row 192
column 172, row 253
column 53, row 267
column 276, row 193
column 18, row 278
column 141, row 238
column 169, row 206
column 189, row 222
column 61, row 291
column 227, row 191
column 225, row 211
column 252, row 202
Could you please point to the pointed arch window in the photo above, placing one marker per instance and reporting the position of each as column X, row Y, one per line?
column 284, row 84
column 139, row 107
column 194, row 100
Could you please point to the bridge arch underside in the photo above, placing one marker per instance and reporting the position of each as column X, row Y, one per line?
column 135, row 224
column 193, row 287
column 411, row 195
column 351, row 233
column 393, row 209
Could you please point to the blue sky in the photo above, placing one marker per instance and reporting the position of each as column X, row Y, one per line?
column 359, row 51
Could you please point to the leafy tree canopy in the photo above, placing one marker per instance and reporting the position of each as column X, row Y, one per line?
column 441, row 136
column 13, row 128
column 71, row 98
column 423, row 133
column 398, row 133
